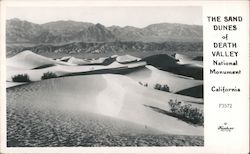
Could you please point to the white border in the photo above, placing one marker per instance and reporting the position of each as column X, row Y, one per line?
column 214, row 142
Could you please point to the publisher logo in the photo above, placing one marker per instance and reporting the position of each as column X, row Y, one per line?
column 225, row 127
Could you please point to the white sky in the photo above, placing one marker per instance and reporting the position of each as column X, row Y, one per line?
column 108, row 16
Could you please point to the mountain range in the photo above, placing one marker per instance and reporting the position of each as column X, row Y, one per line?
column 61, row 32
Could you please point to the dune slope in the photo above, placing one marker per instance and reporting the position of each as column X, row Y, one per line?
column 152, row 76
column 30, row 60
column 167, row 63
column 183, row 59
column 55, row 128
column 116, row 96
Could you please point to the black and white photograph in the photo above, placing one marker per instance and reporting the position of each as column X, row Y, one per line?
column 104, row 76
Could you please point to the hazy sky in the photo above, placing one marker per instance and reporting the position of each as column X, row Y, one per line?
column 108, row 16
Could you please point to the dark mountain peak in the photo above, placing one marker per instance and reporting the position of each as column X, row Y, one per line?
column 97, row 33
column 98, row 25
column 21, row 30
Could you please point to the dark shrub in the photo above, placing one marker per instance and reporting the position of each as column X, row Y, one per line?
column 48, row 75
column 145, row 84
column 21, row 78
column 165, row 88
column 186, row 112
column 157, row 86
column 162, row 88
column 140, row 83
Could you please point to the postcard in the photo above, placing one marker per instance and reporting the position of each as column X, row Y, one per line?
column 124, row 76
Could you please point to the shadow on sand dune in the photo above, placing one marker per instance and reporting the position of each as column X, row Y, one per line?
column 168, row 63
column 122, row 71
column 171, row 114
column 196, row 91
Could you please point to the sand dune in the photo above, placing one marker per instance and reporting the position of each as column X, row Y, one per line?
column 78, row 61
column 25, row 62
column 29, row 126
column 62, row 70
column 90, row 100
column 30, row 60
column 115, row 96
column 184, row 59
column 161, row 61
column 65, row 59
column 35, row 66
column 127, row 59
column 14, row 84
column 170, row 64
column 151, row 76
column 97, row 61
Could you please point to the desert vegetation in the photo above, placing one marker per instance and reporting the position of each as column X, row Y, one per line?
column 164, row 87
column 21, row 78
column 143, row 84
column 187, row 112
column 48, row 75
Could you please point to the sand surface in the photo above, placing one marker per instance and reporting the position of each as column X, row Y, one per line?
column 184, row 59
column 98, row 102
column 29, row 126
column 30, row 60
column 151, row 76
column 110, row 95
